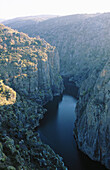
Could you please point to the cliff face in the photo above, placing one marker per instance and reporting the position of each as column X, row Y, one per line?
column 29, row 68
column 29, row 65
column 92, row 130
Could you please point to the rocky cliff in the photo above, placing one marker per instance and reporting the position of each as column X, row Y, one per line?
column 92, row 130
column 29, row 77
column 83, row 44
column 29, row 65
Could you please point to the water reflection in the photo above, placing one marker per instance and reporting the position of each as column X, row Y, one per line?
column 56, row 130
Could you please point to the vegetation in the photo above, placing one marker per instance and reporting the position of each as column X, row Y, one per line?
column 82, row 41
column 26, row 65
column 83, row 44
column 7, row 95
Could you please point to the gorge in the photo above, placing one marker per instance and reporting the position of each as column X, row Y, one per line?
column 81, row 55
column 60, row 118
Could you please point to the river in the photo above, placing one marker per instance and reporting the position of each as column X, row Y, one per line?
column 56, row 130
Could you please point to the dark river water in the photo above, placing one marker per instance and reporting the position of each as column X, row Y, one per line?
column 56, row 130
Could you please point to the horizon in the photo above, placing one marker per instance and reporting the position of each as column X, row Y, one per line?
column 22, row 8
column 52, row 15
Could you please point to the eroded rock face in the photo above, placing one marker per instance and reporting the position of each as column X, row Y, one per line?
column 92, row 130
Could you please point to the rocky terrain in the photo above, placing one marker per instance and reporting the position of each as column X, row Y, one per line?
column 29, row 65
column 29, row 77
column 83, row 45
column 92, row 130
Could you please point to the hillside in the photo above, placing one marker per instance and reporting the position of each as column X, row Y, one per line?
column 29, row 77
column 1, row 20
column 83, row 39
column 24, row 22
column 29, row 65
column 83, row 45
column 20, row 144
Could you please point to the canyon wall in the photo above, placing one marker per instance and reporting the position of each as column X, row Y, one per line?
column 92, row 127
column 83, row 45
column 82, row 42
column 29, row 77
column 29, row 65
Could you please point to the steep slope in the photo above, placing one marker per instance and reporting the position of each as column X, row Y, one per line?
column 25, row 22
column 29, row 65
column 83, row 44
column 29, row 76
column 20, row 145
column 92, row 130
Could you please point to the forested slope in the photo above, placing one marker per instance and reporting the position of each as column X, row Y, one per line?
column 29, row 77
